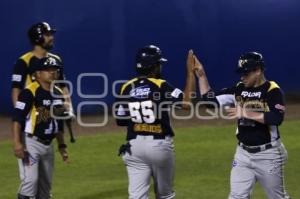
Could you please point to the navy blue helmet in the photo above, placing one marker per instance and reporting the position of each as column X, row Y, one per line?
column 249, row 62
column 36, row 32
column 147, row 58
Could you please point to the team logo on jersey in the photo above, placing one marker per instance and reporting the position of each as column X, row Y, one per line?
column 46, row 102
column 251, row 94
column 20, row 105
column 43, row 114
column 17, row 78
column 234, row 163
column 140, row 92
column 57, row 102
column 176, row 93
column 280, row 107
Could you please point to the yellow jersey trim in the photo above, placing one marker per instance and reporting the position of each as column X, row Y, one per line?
column 33, row 118
column 273, row 85
column 27, row 57
column 126, row 84
column 157, row 82
column 33, row 87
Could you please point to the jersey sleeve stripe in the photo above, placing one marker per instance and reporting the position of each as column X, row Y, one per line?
column 33, row 87
column 273, row 85
column 26, row 57
column 126, row 84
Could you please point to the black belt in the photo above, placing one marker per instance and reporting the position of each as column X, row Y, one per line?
column 155, row 137
column 255, row 149
column 36, row 138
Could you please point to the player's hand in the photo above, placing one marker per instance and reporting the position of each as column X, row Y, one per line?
column 19, row 150
column 69, row 111
column 64, row 154
column 198, row 67
column 235, row 113
column 190, row 61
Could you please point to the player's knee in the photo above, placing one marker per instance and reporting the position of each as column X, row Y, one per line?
column 235, row 195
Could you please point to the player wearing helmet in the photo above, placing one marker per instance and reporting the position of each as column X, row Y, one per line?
column 143, row 107
column 41, row 37
column 258, row 105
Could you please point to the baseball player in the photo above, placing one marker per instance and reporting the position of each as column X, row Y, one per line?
column 258, row 105
column 41, row 37
column 143, row 107
column 37, row 107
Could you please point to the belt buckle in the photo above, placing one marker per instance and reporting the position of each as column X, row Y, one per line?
column 263, row 147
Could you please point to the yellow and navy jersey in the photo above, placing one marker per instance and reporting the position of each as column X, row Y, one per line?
column 143, row 106
column 23, row 72
column 35, row 107
column 267, row 98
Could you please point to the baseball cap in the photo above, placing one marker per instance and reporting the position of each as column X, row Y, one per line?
column 45, row 64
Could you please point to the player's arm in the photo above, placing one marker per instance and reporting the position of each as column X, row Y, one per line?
column 172, row 95
column 190, row 81
column 18, row 79
column 14, row 95
column 21, row 110
column 276, row 103
column 239, row 112
column 275, row 114
column 64, row 88
column 225, row 97
column 60, row 135
column 68, row 102
column 62, row 147
column 202, row 78
column 121, row 112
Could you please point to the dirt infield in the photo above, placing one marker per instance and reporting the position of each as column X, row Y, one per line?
column 292, row 113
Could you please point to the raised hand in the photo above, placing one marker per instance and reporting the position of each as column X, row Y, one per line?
column 198, row 67
column 190, row 61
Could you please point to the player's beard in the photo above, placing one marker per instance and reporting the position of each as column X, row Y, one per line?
column 158, row 75
column 47, row 46
column 157, row 72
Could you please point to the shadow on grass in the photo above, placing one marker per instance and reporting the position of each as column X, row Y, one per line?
column 106, row 194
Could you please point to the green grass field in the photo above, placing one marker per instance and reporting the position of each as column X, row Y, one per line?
column 203, row 163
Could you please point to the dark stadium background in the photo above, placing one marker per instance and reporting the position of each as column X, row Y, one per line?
column 103, row 36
